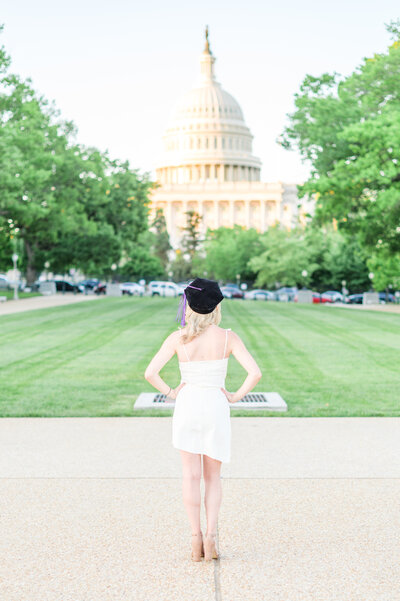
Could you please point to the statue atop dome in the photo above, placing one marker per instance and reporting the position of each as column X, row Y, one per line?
column 207, row 46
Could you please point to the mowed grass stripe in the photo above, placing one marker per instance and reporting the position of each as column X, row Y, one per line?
column 326, row 374
column 44, row 321
column 89, row 358
column 78, row 368
column 75, row 332
column 288, row 369
column 363, row 343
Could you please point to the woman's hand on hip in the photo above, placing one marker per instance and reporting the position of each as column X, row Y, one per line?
column 174, row 392
column 231, row 396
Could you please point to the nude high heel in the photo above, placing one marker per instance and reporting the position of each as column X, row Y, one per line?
column 197, row 547
column 210, row 549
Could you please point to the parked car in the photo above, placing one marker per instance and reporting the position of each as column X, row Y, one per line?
column 65, row 286
column 386, row 298
column 89, row 284
column 232, row 291
column 259, row 294
column 332, row 296
column 355, row 299
column 286, row 293
column 132, row 288
column 358, row 298
column 4, row 283
column 157, row 288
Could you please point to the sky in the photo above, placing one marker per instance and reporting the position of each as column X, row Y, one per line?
column 117, row 69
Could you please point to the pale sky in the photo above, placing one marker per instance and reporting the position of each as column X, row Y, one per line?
column 117, row 68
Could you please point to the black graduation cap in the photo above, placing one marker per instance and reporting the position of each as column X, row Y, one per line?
column 202, row 295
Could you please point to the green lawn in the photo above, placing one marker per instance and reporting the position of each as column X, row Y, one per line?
column 88, row 359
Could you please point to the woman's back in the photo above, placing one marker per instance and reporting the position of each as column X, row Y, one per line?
column 210, row 345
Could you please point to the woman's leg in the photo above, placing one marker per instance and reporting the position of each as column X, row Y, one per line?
column 213, row 491
column 191, row 467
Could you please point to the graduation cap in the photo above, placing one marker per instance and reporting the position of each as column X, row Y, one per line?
column 202, row 296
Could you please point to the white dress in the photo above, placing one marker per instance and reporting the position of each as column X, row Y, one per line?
column 201, row 421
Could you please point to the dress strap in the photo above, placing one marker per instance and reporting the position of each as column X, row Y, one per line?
column 226, row 340
column 184, row 347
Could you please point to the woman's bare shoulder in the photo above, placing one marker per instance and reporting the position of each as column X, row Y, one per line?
column 173, row 338
column 234, row 338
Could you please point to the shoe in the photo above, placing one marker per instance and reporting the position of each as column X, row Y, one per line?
column 210, row 548
column 197, row 547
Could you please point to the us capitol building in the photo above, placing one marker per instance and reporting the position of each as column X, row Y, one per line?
column 208, row 166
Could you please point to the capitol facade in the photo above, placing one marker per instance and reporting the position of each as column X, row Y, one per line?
column 208, row 166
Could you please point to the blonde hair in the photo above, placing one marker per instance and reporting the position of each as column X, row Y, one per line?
column 196, row 323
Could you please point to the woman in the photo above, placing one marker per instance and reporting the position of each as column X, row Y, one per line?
column 201, row 420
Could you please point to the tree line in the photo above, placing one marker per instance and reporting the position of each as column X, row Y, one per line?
column 348, row 129
column 64, row 205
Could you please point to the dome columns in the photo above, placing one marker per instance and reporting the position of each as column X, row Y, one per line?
column 246, row 212
column 208, row 172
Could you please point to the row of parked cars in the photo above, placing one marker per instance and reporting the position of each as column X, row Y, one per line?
column 230, row 290
column 91, row 285
column 159, row 288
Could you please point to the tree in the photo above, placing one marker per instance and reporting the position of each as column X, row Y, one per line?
column 162, row 245
column 6, row 248
column 191, row 236
column 181, row 268
column 348, row 129
column 229, row 251
column 71, row 206
column 386, row 269
column 284, row 258
column 344, row 260
column 142, row 264
column 324, row 254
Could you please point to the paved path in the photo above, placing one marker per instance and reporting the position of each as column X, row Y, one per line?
column 385, row 308
column 91, row 510
column 43, row 302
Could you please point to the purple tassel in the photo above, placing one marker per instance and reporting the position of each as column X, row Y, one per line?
column 182, row 305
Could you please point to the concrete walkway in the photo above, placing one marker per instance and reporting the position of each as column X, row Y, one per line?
column 91, row 510
column 387, row 308
column 43, row 302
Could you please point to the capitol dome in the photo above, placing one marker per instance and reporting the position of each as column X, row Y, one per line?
column 207, row 139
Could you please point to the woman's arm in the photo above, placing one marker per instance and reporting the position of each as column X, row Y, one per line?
column 166, row 352
column 247, row 361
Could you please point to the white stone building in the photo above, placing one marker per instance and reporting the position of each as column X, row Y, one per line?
column 208, row 165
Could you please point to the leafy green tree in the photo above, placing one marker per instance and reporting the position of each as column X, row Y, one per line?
column 335, row 259
column 6, row 248
column 192, row 240
column 344, row 260
column 181, row 267
column 26, row 161
column 284, row 258
column 127, row 206
column 386, row 269
column 326, row 256
column 162, row 245
column 348, row 129
column 142, row 264
column 229, row 251
column 71, row 206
